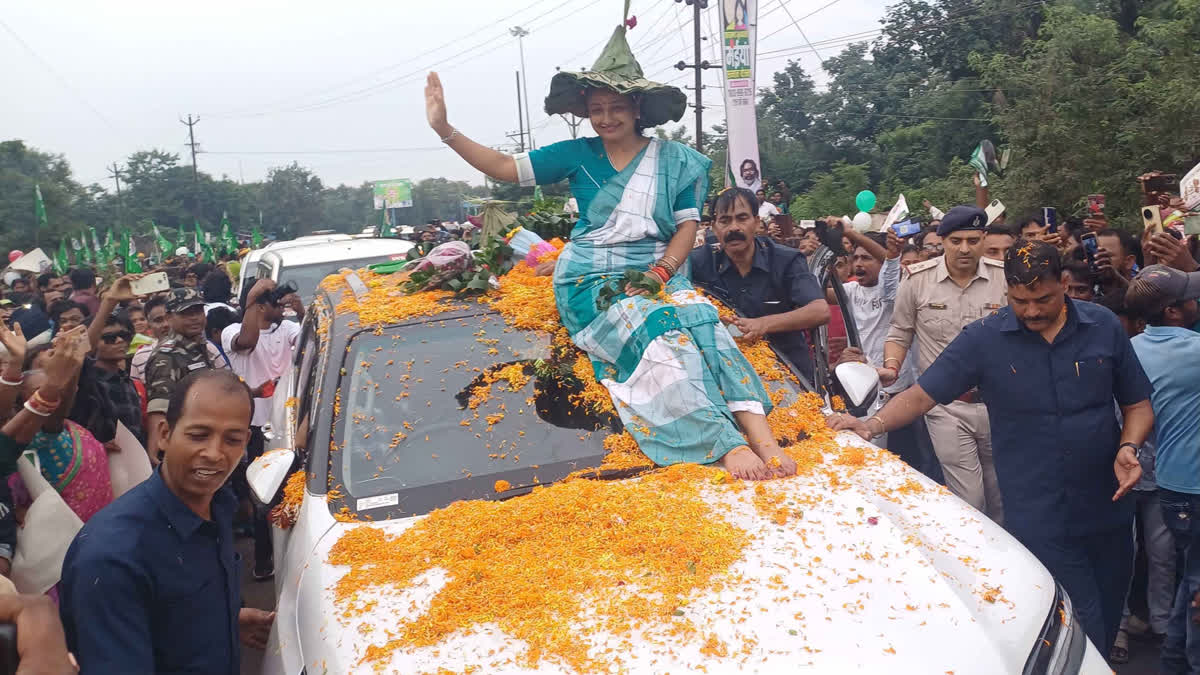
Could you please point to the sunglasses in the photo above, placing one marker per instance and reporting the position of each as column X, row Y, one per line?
column 113, row 338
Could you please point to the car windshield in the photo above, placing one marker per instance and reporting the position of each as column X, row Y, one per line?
column 439, row 411
column 306, row 277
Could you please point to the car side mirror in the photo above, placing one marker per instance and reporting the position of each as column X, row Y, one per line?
column 860, row 384
column 267, row 473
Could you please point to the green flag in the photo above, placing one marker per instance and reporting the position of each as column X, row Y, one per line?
column 61, row 264
column 229, row 242
column 84, row 254
column 180, row 239
column 198, row 240
column 95, row 245
column 129, row 253
column 164, row 246
column 256, row 238
column 39, row 206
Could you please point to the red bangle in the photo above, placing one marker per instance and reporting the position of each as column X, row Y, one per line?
column 38, row 405
column 660, row 273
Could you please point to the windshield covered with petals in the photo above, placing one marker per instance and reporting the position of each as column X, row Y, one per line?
column 441, row 410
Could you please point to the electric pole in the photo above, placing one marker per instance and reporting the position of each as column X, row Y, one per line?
column 190, row 123
column 699, row 66
column 573, row 123
column 115, row 172
column 520, row 33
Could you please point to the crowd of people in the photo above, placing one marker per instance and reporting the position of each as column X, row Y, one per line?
column 1043, row 372
column 90, row 370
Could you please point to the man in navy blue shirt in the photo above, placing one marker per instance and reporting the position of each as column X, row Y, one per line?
column 150, row 584
column 1048, row 369
column 768, row 284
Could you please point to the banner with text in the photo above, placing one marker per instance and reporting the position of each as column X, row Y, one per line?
column 738, row 19
column 393, row 194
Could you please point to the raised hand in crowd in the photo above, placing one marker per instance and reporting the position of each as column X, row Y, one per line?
column 1106, row 270
column 14, row 344
column 1162, row 248
column 52, row 401
column 895, row 245
column 41, row 643
column 120, row 291
column 1096, row 223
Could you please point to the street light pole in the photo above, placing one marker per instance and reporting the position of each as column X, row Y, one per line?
column 520, row 33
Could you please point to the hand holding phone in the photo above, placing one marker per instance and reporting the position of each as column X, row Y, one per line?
column 1152, row 219
column 1091, row 248
column 155, row 282
column 994, row 210
column 1050, row 218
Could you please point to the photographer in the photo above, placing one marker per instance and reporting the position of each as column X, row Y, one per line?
column 259, row 350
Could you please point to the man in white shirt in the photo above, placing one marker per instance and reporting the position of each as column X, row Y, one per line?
column 767, row 211
column 259, row 350
column 872, row 297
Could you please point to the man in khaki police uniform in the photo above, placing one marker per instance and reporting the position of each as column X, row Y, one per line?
column 940, row 298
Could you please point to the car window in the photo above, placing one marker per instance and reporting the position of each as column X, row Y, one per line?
column 310, row 362
column 435, row 412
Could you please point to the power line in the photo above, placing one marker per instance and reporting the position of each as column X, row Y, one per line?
column 61, row 80
column 367, row 92
column 783, row 5
column 378, row 71
column 802, row 34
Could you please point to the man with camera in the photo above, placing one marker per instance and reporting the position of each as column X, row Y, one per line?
column 259, row 350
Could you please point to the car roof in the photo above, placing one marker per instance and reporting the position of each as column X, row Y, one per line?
column 343, row 249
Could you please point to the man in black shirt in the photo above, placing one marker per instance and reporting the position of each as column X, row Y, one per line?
column 768, row 284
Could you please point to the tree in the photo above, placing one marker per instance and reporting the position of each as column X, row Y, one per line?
column 1091, row 107
column 22, row 168
column 291, row 200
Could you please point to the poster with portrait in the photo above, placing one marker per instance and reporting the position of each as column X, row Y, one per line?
column 738, row 19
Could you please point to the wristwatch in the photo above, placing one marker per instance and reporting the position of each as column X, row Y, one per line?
column 1137, row 449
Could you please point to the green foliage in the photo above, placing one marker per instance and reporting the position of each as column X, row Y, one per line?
column 548, row 224
column 615, row 289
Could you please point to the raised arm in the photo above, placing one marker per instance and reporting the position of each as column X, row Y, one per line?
column 494, row 163
column 120, row 291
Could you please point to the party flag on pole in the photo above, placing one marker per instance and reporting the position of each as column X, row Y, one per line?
column 129, row 251
column 39, row 206
column 61, row 264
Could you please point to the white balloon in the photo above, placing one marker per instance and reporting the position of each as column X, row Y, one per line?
column 862, row 221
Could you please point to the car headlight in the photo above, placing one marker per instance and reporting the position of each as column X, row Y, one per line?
column 1061, row 642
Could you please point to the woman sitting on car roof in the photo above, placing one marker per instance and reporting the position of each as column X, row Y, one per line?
column 677, row 379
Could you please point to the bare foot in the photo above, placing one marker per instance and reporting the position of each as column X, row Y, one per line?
column 743, row 464
column 778, row 464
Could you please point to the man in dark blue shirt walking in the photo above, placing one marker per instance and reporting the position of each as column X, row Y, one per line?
column 150, row 584
column 1048, row 369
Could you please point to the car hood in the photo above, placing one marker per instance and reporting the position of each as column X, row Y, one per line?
column 872, row 568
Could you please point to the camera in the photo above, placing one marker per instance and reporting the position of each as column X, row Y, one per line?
column 274, row 296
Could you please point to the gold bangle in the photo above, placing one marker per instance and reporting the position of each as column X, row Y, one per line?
column 891, row 358
column 882, row 426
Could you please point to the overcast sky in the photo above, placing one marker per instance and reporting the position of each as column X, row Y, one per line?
column 275, row 81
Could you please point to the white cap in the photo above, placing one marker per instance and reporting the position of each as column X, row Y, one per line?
column 182, row 250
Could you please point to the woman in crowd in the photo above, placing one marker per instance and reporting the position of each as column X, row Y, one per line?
column 678, row 380
column 71, row 459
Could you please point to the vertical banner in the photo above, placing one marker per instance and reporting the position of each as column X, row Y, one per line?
column 738, row 19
